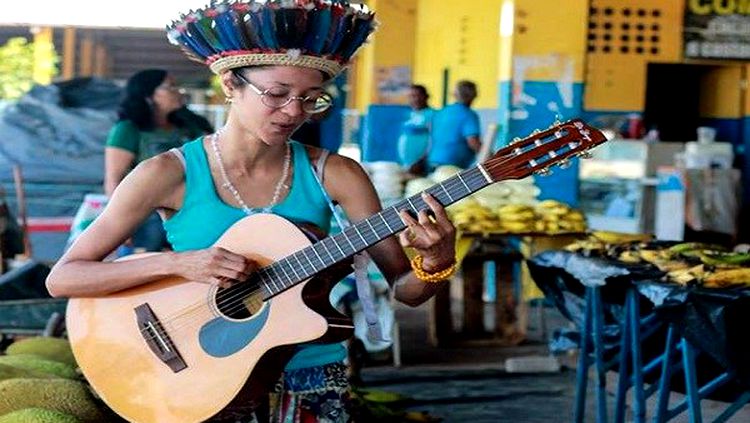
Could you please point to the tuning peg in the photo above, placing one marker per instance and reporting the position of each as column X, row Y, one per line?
column 515, row 140
column 564, row 164
column 543, row 172
column 517, row 151
column 535, row 131
column 585, row 154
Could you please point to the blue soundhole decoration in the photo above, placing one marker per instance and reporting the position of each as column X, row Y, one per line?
column 221, row 337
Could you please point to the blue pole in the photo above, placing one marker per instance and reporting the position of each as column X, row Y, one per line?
column 583, row 361
column 639, row 402
column 601, row 388
column 666, row 376
column 623, row 382
column 735, row 407
column 691, row 383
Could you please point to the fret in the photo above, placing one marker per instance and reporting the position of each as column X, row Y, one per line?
column 346, row 237
column 267, row 271
column 386, row 222
column 377, row 236
column 315, row 250
column 283, row 268
column 293, row 269
column 343, row 254
column 396, row 220
column 265, row 283
column 312, row 266
column 450, row 197
column 301, row 266
column 323, row 242
column 284, row 279
column 364, row 241
column 460, row 178
column 408, row 200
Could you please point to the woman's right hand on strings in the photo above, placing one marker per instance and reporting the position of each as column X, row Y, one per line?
column 215, row 266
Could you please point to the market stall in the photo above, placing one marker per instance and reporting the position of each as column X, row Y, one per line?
column 627, row 298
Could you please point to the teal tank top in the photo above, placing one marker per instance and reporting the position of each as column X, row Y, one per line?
column 203, row 208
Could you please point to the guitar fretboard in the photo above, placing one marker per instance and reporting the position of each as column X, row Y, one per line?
column 305, row 263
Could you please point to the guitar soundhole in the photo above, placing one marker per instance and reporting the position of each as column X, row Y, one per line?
column 239, row 301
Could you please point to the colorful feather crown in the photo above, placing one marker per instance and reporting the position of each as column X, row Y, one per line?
column 317, row 34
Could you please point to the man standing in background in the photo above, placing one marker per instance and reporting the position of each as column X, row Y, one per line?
column 455, row 130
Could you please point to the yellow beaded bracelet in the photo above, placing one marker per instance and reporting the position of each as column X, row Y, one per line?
column 416, row 265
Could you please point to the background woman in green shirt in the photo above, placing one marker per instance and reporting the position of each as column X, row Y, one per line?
column 152, row 118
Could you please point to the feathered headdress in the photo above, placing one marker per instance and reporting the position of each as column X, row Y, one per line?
column 317, row 34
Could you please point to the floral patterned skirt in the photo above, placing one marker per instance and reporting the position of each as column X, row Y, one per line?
column 311, row 395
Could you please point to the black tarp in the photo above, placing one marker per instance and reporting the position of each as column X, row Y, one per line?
column 712, row 320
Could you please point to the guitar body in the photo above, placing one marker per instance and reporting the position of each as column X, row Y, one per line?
column 167, row 352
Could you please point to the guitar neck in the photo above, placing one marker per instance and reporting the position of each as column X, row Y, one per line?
column 305, row 263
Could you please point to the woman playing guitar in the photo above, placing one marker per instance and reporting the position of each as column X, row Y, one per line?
column 252, row 166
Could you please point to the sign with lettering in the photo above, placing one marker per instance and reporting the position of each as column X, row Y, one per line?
column 717, row 29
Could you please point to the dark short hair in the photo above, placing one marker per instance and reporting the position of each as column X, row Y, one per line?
column 421, row 89
column 466, row 90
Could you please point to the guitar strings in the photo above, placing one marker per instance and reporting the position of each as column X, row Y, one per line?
column 242, row 294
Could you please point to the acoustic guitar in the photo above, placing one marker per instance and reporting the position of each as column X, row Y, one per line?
column 180, row 351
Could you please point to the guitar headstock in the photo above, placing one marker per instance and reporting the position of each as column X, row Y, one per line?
column 542, row 149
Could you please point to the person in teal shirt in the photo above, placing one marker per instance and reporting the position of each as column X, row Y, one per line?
column 456, row 131
column 251, row 166
column 152, row 119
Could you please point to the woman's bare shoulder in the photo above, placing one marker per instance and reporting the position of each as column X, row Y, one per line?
column 161, row 179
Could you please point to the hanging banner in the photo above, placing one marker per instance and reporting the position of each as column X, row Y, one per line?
column 717, row 29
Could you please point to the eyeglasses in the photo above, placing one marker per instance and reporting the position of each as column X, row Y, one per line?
column 278, row 97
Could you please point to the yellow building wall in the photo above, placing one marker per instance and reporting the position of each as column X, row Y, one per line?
column 462, row 37
column 720, row 93
column 549, row 40
column 392, row 45
column 623, row 37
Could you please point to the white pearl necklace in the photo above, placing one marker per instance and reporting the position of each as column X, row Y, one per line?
column 229, row 187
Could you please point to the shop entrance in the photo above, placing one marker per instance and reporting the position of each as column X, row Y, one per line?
column 673, row 100
column 682, row 97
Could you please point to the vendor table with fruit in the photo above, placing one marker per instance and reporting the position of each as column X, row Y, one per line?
column 668, row 305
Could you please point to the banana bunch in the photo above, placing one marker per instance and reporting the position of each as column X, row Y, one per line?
column 471, row 216
column 517, row 218
column 588, row 247
column 662, row 259
column 711, row 278
column 688, row 276
column 555, row 216
column 609, row 237
column 728, row 277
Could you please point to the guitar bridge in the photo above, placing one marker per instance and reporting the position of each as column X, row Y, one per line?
column 157, row 338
